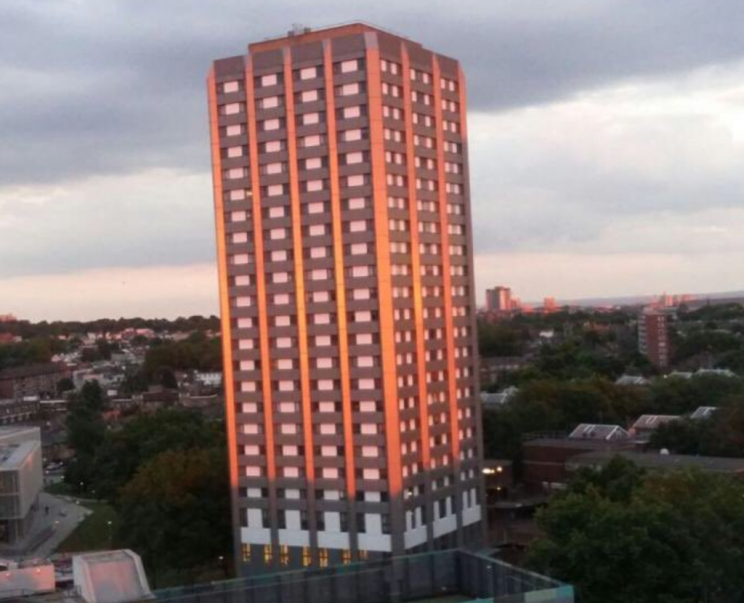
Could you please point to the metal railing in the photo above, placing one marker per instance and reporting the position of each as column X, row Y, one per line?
column 398, row 579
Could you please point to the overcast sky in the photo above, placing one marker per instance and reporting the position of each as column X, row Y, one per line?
column 607, row 140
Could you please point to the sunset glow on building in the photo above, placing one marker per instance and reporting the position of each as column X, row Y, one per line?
column 346, row 278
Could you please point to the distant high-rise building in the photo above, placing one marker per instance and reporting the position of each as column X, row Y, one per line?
column 653, row 337
column 550, row 305
column 499, row 299
column 7, row 318
column 346, row 282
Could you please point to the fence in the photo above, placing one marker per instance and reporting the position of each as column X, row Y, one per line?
column 395, row 580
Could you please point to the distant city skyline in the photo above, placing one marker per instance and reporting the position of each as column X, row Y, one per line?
column 605, row 146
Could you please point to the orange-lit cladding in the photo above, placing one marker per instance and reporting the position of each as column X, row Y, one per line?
column 232, row 449
column 345, row 250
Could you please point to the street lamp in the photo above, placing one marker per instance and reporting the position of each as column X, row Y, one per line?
column 110, row 525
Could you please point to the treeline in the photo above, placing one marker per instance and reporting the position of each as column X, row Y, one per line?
column 720, row 434
column 35, row 351
column 718, row 312
column 44, row 329
column 621, row 535
column 164, row 358
column 554, row 405
column 165, row 473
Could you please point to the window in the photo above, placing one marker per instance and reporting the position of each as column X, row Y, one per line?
column 349, row 89
column 270, row 102
column 309, row 119
column 232, row 108
column 351, row 112
column 356, row 203
column 309, row 96
column 311, row 141
column 230, row 87
column 269, row 80
column 352, row 135
column 349, row 66
column 272, row 146
column 308, row 73
column 274, row 190
column 268, row 554
column 274, row 168
column 271, row 124
column 352, row 158
column 245, row 550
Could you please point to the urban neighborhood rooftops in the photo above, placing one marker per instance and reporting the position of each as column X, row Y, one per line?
column 591, row 431
column 652, row 422
column 703, row 412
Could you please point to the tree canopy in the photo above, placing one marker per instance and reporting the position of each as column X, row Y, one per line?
column 622, row 535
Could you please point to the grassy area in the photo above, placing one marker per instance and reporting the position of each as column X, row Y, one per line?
column 59, row 489
column 95, row 532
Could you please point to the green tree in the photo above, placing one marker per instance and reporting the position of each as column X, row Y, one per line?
column 145, row 437
column 176, row 511
column 65, row 385
column 621, row 535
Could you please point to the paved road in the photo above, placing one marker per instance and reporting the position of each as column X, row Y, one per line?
column 62, row 515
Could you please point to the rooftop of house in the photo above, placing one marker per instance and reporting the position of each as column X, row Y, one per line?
column 653, row 421
column 12, row 456
column 587, row 444
column 703, row 412
column 654, row 460
column 592, row 431
column 631, row 380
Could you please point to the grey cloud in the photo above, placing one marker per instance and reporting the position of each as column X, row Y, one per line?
column 98, row 87
column 94, row 88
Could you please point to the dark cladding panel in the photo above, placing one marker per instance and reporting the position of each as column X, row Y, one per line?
column 390, row 46
column 230, row 67
column 307, row 54
column 267, row 61
column 420, row 58
column 448, row 66
column 347, row 45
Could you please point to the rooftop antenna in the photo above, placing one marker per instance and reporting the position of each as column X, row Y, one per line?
column 298, row 29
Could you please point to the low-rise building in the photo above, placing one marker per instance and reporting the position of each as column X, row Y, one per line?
column 703, row 412
column 544, row 459
column 645, row 425
column 16, row 411
column 36, row 380
column 491, row 369
column 498, row 476
column 21, row 480
column 593, row 431
column 653, row 461
column 491, row 401
column 635, row 380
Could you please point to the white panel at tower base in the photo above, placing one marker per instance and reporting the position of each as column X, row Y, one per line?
column 110, row 577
